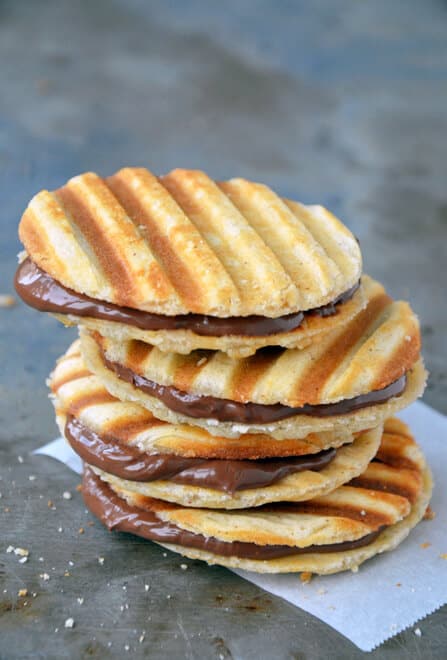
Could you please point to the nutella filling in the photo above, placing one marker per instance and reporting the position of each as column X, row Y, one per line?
column 38, row 289
column 225, row 475
column 226, row 410
column 116, row 514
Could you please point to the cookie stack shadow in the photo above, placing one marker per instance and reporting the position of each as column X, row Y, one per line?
column 233, row 389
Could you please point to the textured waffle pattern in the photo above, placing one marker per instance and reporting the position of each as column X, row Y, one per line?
column 371, row 351
column 183, row 243
column 382, row 495
column 77, row 392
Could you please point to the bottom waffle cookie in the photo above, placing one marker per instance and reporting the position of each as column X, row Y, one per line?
column 327, row 534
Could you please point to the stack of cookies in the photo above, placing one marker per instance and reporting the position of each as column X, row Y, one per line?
column 233, row 387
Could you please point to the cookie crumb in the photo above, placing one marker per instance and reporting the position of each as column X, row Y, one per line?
column 66, row 495
column 69, row 623
column 6, row 300
column 305, row 577
column 425, row 545
column 81, row 530
column 443, row 556
column 101, row 560
column 22, row 592
column 418, row 632
column 184, row 567
column 80, row 601
column 44, row 576
column 429, row 514
column 22, row 552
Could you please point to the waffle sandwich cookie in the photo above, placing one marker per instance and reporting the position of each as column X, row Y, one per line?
column 129, row 448
column 351, row 380
column 183, row 262
column 370, row 515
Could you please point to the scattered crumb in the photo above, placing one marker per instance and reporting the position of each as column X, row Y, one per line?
column 66, row 495
column 90, row 523
column 184, row 567
column 59, row 529
column 50, row 504
column 398, row 584
column 443, row 556
column 44, row 576
column 146, row 587
column 40, row 559
column 23, row 560
column 32, row 477
column 417, row 632
column 70, row 563
column 101, row 560
column 126, row 647
column 6, row 300
column 66, row 574
column 141, row 638
column 322, row 591
column 80, row 601
column 165, row 554
column 22, row 552
column 22, row 592
column 81, row 530
column 429, row 514
column 425, row 545
column 10, row 548
column 69, row 623
column 79, row 488
column 305, row 577
column 20, row 459
column 169, row 596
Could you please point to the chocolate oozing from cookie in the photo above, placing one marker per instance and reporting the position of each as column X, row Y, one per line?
column 226, row 410
column 117, row 514
column 127, row 462
column 41, row 291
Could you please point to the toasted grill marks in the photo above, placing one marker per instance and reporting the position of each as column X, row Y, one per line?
column 126, row 428
column 302, row 258
column 248, row 260
column 372, row 519
column 78, row 404
column 137, row 353
column 250, row 371
column 399, row 481
column 147, row 204
column 104, row 245
column 186, row 370
column 68, row 377
column 320, row 371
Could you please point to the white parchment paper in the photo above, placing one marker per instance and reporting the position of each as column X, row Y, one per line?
column 390, row 592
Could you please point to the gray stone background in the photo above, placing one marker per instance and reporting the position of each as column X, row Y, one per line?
column 339, row 102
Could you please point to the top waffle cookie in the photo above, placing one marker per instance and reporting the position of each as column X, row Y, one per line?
column 183, row 244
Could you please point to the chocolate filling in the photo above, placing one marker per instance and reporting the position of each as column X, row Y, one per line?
column 116, row 514
column 38, row 289
column 226, row 410
column 220, row 474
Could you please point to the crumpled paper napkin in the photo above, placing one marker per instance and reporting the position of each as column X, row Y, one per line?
column 389, row 592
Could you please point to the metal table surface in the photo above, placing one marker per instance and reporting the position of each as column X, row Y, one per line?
column 338, row 102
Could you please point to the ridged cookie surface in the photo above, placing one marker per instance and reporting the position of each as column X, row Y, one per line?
column 76, row 391
column 374, row 349
column 183, row 243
